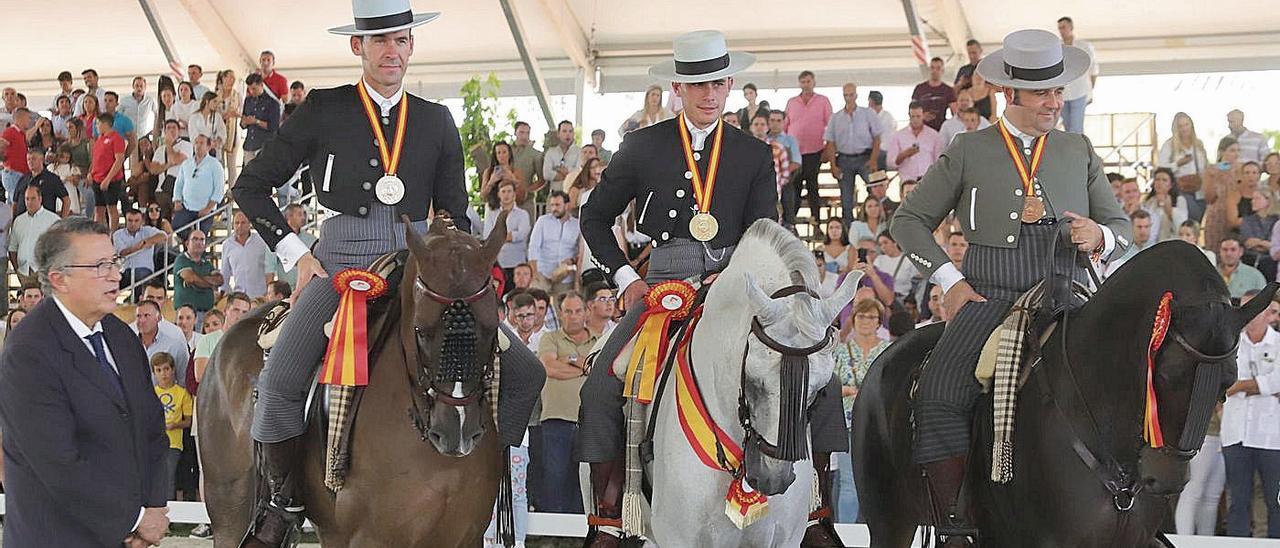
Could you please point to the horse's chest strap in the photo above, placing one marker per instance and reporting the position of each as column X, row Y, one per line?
column 1120, row 484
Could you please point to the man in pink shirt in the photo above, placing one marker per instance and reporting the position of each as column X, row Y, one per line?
column 914, row 148
column 806, row 120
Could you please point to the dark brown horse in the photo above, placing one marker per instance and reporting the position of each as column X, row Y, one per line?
column 427, row 382
column 1083, row 401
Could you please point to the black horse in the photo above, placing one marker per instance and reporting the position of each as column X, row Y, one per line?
column 1083, row 475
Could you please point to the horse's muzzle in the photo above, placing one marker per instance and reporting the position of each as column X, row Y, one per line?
column 766, row 474
column 1163, row 473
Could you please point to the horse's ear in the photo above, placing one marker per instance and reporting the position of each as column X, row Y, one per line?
column 831, row 306
column 417, row 246
column 1248, row 310
column 497, row 237
column 768, row 310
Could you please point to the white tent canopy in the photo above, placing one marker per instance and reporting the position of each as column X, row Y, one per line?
column 616, row 39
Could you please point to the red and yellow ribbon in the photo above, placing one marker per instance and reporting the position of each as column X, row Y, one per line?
column 703, row 188
column 1151, row 411
column 1027, row 176
column 665, row 302
column 712, row 445
column 346, row 361
column 390, row 156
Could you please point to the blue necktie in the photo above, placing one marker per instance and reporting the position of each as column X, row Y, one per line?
column 100, row 352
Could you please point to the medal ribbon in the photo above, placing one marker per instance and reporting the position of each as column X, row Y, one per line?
column 702, row 188
column 1037, row 152
column 390, row 158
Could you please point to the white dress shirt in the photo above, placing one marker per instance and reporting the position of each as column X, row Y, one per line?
column 244, row 265
column 1255, row 420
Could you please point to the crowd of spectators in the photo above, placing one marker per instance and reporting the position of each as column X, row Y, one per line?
column 162, row 164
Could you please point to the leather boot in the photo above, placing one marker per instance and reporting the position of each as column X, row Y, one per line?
column 280, row 516
column 821, row 532
column 955, row 527
column 605, row 523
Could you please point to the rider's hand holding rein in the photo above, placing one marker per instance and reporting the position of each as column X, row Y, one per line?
column 1085, row 233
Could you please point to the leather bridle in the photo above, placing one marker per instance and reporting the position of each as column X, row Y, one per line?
column 799, row 358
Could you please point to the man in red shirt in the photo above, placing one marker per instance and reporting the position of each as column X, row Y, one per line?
column 13, row 144
column 276, row 82
column 107, row 171
column 935, row 96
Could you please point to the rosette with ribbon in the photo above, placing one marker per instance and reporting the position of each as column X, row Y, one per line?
column 346, row 361
column 664, row 303
column 1151, row 431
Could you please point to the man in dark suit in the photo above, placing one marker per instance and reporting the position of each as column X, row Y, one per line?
column 84, row 438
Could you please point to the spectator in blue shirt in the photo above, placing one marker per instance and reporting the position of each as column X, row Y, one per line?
column 199, row 188
column 553, row 245
column 261, row 116
column 122, row 124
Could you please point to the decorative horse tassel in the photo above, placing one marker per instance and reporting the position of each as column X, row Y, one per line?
column 632, row 518
column 744, row 505
column 792, row 435
column 506, row 504
column 1151, row 431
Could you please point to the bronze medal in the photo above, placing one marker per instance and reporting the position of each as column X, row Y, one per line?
column 1032, row 209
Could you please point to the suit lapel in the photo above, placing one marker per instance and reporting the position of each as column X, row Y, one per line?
column 82, row 359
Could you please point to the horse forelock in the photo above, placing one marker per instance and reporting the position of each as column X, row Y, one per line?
column 450, row 263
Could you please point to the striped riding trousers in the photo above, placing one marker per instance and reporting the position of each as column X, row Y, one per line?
column 947, row 390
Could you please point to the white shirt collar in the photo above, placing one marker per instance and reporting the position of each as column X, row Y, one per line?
column 699, row 136
column 385, row 103
column 1027, row 140
column 78, row 326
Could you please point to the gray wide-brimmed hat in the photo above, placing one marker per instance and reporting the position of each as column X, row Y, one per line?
column 382, row 17
column 1034, row 59
column 701, row 56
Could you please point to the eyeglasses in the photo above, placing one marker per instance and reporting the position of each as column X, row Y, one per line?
column 605, row 299
column 102, row 268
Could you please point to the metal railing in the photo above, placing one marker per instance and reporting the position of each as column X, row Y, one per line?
column 173, row 245
column 1132, row 153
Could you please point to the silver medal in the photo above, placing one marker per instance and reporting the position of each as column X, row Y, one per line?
column 389, row 190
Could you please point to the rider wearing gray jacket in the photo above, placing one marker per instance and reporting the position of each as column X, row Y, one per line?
column 1010, row 186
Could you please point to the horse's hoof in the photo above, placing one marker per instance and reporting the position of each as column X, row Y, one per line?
column 821, row 535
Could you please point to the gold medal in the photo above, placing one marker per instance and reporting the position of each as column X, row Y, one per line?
column 1032, row 209
column 390, row 188
column 703, row 227
column 1032, row 205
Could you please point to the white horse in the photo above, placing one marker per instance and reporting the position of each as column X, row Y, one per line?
column 688, row 499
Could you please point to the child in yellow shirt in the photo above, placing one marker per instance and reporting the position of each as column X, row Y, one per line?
column 178, row 406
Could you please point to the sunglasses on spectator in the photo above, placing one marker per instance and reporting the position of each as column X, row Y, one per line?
column 102, row 268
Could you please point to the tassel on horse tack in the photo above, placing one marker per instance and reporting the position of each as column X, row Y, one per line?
column 506, row 504
column 632, row 516
column 794, row 397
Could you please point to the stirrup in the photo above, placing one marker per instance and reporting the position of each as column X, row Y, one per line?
column 268, row 516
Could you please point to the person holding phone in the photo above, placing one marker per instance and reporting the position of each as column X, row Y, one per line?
column 914, row 148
